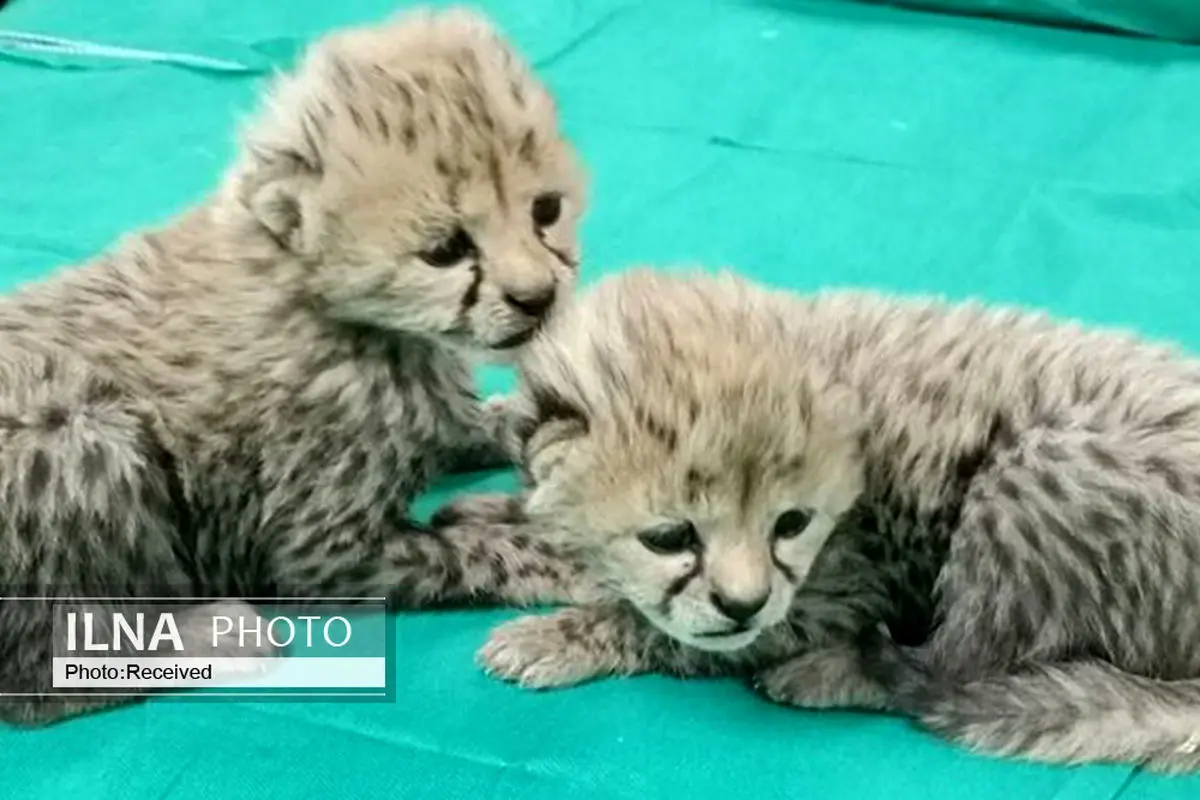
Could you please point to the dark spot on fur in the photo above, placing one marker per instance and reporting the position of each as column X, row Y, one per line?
column 38, row 476
column 186, row 359
column 1102, row 522
column 1006, row 562
column 405, row 95
column 936, row 394
column 549, row 405
column 476, row 555
column 517, row 92
column 988, row 523
column 1043, row 591
column 527, row 150
column 1089, row 558
column 1102, row 457
column 678, row 585
column 1164, row 469
column 664, row 433
column 1179, row 418
column 1007, row 487
column 352, row 472
column 500, row 575
column 1052, row 450
column 468, row 113
column 486, row 122
column 695, row 484
column 410, row 137
column 55, row 417
column 570, row 631
column 748, row 478
column 341, row 73
column 1025, row 528
column 385, row 130
column 1051, row 485
column 471, row 295
column 1135, row 505
column 497, row 179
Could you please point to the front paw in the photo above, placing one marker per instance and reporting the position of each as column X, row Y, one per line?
column 829, row 678
column 494, row 508
column 541, row 652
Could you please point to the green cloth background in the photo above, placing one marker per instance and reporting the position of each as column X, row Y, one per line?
column 1171, row 19
column 808, row 144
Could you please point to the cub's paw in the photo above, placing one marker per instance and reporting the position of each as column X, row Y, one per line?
column 543, row 652
column 820, row 679
column 493, row 508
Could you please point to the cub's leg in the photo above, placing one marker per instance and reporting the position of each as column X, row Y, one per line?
column 576, row 645
column 483, row 509
column 828, row 677
column 413, row 567
column 489, row 447
column 1068, row 629
column 33, row 632
column 90, row 505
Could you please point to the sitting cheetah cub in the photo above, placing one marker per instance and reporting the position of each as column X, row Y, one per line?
column 984, row 519
column 244, row 402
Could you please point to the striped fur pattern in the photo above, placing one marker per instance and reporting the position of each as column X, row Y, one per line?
column 998, row 527
column 243, row 402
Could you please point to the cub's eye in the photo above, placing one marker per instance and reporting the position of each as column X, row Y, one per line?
column 450, row 250
column 547, row 208
column 670, row 539
column 791, row 523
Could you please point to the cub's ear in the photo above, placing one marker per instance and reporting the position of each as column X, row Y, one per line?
column 279, row 195
column 282, row 163
column 545, row 428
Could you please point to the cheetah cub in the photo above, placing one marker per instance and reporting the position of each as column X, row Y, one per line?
column 243, row 403
column 984, row 519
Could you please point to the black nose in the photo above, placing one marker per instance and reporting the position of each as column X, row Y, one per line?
column 534, row 304
column 739, row 609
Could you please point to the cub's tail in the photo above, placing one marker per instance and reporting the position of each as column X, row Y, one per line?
column 1070, row 712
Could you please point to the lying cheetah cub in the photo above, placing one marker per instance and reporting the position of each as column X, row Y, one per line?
column 984, row 519
column 243, row 402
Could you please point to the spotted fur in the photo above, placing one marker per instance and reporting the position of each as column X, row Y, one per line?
column 243, row 402
column 1005, row 510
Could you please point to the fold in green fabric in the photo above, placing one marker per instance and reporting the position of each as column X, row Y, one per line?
column 1167, row 19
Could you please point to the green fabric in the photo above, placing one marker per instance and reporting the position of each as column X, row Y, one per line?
column 1168, row 19
column 806, row 143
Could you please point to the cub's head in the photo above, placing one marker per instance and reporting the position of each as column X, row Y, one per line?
column 417, row 173
column 680, row 436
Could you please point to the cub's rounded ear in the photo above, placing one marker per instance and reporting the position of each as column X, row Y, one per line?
column 281, row 166
column 279, row 193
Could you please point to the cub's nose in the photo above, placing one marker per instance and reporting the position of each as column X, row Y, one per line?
column 739, row 609
column 533, row 304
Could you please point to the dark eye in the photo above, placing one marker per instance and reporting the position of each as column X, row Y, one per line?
column 791, row 523
column 547, row 208
column 450, row 250
column 670, row 539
